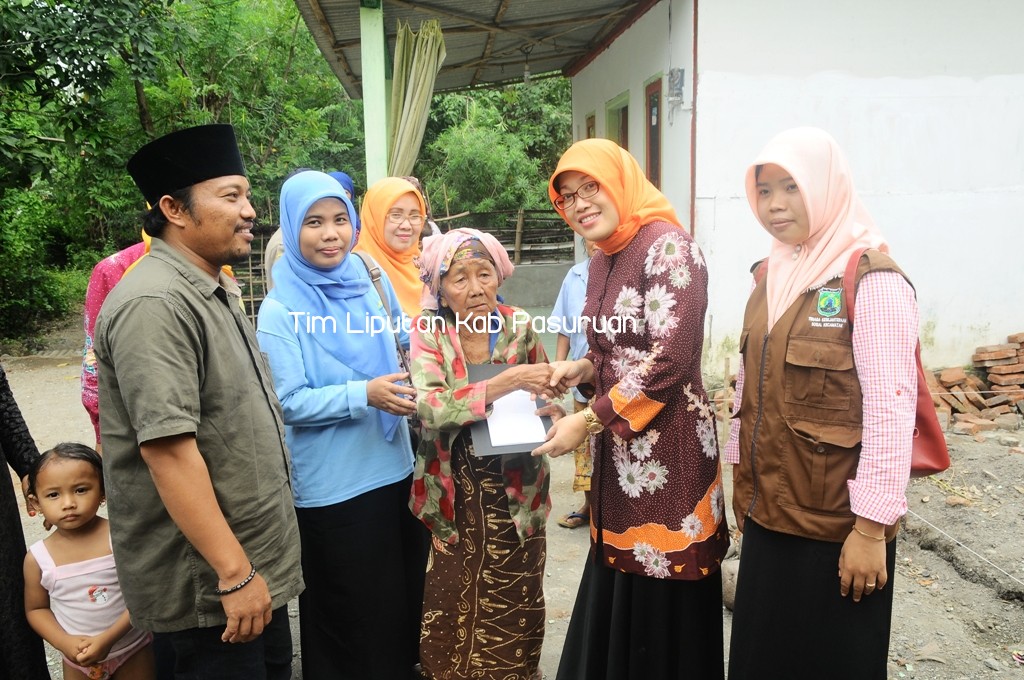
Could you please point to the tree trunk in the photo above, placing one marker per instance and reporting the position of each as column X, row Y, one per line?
column 145, row 119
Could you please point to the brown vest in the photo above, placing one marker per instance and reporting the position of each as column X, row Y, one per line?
column 801, row 413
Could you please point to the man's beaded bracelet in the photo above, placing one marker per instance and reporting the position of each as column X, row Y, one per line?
column 244, row 583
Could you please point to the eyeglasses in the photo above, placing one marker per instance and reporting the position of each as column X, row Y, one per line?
column 415, row 219
column 587, row 190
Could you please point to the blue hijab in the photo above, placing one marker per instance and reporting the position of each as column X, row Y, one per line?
column 344, row 292
column 346, row 182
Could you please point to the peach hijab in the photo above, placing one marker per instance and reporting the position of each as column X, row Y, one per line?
column 637, row 200
column 402, row 272
column 439, row 250
column 839, row 223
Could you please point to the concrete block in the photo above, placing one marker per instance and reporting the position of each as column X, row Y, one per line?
column 1008, row 421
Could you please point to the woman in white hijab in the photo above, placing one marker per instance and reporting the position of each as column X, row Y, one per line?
column 824, row 418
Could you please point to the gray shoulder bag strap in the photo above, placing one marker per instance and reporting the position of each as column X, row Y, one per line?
column 375, row 273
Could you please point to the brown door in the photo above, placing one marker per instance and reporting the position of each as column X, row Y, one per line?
column 653, row 105
column 624, row 127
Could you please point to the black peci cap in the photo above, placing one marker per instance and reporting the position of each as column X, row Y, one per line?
column 184, row 158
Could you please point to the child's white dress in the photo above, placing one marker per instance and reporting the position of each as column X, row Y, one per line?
column 85, row 598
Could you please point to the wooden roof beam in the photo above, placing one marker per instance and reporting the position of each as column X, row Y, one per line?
column 431, row 9
column 573, row 24
column 347, row 77
column 475, row 63
column 490, row 39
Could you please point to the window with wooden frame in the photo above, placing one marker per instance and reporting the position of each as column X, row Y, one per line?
column 652, row 104
column 617, row 120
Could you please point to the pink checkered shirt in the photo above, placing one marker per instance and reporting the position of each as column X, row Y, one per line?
column 884, row 337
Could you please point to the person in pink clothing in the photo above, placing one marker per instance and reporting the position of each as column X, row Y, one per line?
column 105, row 275
column 72, row 596
column 822, row 424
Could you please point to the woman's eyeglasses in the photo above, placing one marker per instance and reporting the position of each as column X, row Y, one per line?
column 584, row 191
column 415, row 219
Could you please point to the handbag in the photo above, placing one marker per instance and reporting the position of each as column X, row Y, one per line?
column 929, row 452
column 373, row 269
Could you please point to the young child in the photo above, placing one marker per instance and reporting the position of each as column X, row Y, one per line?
column 72, row 597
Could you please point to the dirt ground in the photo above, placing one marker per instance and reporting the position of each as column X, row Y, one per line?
column 959, row 611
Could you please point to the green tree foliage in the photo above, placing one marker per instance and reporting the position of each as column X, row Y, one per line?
column 55, row 58
column 249, row 63
column 491, row 150
column 84, row 83
column 539, row 115
column 31, row 295
column 481, row 167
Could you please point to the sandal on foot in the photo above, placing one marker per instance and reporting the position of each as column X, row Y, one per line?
column 574, row 520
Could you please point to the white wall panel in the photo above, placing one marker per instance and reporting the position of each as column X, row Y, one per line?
column 925, row 96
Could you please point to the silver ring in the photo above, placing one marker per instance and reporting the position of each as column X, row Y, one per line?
column 869, row 585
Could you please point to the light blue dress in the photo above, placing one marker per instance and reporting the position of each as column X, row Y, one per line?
column 566, row 316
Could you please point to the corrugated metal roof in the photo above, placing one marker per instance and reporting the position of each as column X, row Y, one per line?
column 487, row 41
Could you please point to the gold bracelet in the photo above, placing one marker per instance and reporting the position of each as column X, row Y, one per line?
column 594, row 424
column 873, row 538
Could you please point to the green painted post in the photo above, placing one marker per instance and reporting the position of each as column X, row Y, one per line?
column 375, row 116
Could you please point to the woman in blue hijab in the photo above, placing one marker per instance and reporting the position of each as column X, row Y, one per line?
column 346, row 183
column 344, row 396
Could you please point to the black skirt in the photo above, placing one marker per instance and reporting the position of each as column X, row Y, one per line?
column 631, row 627
column 363, row 561
column 790, row 620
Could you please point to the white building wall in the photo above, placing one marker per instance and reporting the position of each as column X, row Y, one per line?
column 660, row 40
column 927, row 99
column 925, row 96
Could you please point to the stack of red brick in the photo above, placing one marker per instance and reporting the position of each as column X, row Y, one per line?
column 977, row 405
column 1005, row 367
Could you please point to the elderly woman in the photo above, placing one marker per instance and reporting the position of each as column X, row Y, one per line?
column 393, row 215
column 487, row 514
column 344, row 400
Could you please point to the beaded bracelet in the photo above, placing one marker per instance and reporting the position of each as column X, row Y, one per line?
column 865, row 535
column 245, row 582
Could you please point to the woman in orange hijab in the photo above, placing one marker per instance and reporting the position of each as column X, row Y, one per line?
column 650, row 601
column 393, row 215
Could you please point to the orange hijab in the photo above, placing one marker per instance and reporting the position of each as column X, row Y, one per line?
column 839, row 222
column 402, row 272
column 637, row 201
column 148, row 240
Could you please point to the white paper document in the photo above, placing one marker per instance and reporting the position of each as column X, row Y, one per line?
column 512, row 420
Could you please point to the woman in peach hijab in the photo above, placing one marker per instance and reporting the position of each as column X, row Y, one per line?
column 393, row 215
column 822, row 425
column 650, row 601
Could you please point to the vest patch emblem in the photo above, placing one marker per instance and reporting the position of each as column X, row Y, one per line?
column 830, row 301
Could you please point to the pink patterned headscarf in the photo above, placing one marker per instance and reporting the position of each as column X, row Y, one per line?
column 439, row 251
column 839, row 222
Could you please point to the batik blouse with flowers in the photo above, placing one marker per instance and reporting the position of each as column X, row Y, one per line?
column 656, row 495
column 448, row 403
